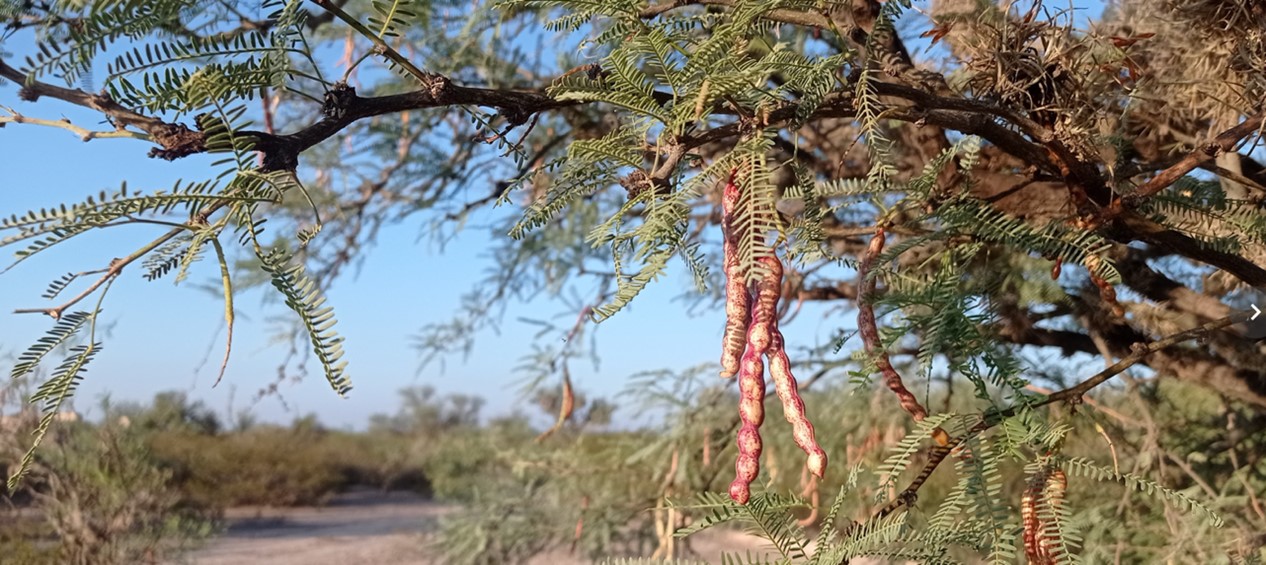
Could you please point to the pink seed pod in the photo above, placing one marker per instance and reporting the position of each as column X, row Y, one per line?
column 751, row 379
column 766, row 321
column 765, row 306
column 1051, row 542
column 793, row 405
column 737, row 298
column 1043, row 495
column 1030, row 503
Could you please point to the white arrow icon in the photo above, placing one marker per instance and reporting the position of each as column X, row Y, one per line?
column 1256, row 312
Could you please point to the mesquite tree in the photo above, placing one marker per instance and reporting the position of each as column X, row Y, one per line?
column 977, row 180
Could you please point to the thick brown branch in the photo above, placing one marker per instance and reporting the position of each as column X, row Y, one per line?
column 781, row 15
column 1130, row 226
column 281, row 152
column 343, row 107
column 1224, row 142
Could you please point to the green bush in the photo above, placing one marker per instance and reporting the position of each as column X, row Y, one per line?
column 265, row 466
column 25, row 540
column 101, row 500
column 460, row 464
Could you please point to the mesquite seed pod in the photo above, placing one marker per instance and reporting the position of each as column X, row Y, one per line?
column 1051, row 542
column 737, row 298
column 869, row 330
column 1029, row 504
column 793, row 405
column 568, row 405
column 751, row 379
column 1108, row 294
column 785, row 382
column 1043, row 495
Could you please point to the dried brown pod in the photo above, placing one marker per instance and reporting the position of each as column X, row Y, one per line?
column 1108, row 294
column 869, row 330
column 567, row 406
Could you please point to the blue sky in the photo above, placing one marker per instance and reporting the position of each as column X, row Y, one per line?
column 167, row 337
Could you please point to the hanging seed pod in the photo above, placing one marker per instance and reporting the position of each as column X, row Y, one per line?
column 1030, row 503
column 869, row 331
column 1042, row 498
column 1107, row 292
column 785, row 382
column 751, row 378
column 1052, row 542
column 567, row 405
column 793, row 405
column 737, row 297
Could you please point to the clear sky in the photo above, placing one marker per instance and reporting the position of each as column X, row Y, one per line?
column 167, row 337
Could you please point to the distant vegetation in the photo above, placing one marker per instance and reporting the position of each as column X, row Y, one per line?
column 143, row 482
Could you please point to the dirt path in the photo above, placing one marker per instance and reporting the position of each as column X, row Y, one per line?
column 367, row 527
column 358, row 527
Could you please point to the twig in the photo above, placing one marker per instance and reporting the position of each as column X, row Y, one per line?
column 1071, row 394
column 1232, row 175
column 1225, row 141
column 177, row 140
column 1140, row 351
column 116, row 266
column 84, row 134
column 382, row 46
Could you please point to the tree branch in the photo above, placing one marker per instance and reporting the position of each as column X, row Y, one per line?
column 177, row 140
column 1072, row 395
column 781, row 15
column 1224, row 142
column 116, row 266
column 83, row 133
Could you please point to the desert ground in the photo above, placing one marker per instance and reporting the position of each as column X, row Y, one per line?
column 372, row 528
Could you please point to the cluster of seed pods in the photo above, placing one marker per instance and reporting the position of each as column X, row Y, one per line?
column 1044, row 495
column 751, row 331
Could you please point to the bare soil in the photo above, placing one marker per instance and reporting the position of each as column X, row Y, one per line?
column 373, row 528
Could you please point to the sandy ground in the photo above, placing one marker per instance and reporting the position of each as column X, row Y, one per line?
column 371, row 528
